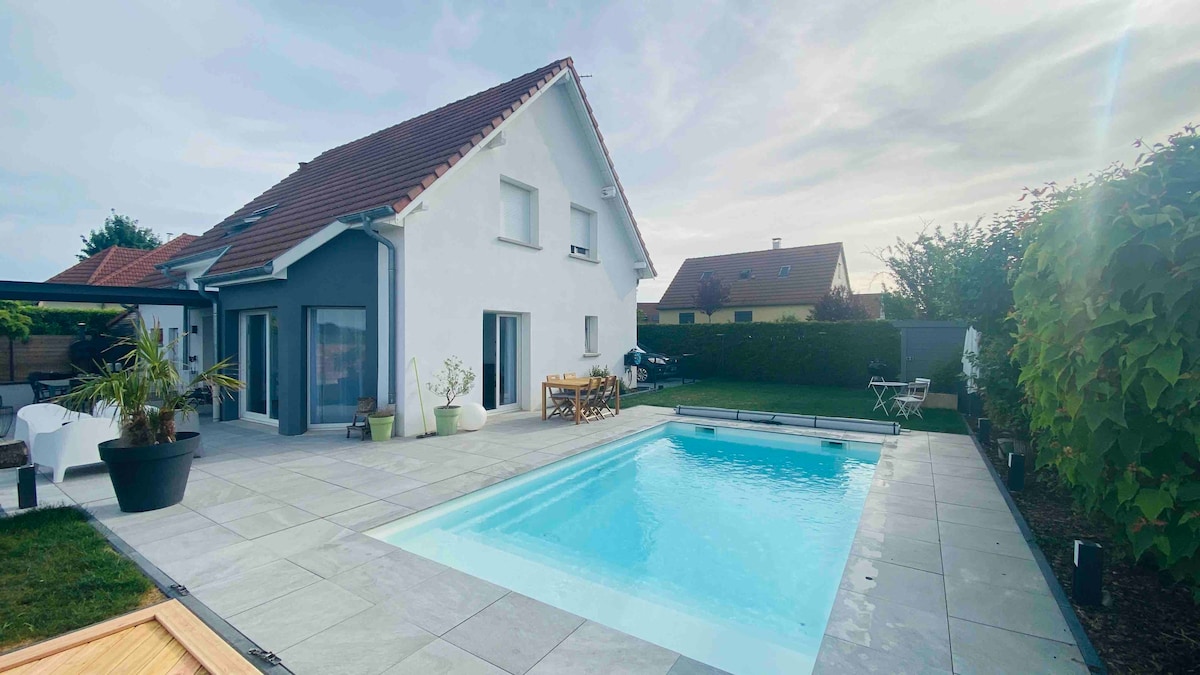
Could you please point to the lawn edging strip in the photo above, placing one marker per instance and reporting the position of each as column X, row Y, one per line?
column 1091, row 657
column 172, row 590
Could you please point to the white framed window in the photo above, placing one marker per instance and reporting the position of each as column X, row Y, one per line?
column 518, row 212
column 583, row 232
column 591, row 335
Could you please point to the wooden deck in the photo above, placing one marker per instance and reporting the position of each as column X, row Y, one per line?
column 165, row 638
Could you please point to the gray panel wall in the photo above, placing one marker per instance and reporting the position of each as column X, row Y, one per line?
column 927, row 345
column 342, row 273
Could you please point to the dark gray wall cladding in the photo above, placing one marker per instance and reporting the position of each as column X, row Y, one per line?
column 927, row 345
column 342, row 273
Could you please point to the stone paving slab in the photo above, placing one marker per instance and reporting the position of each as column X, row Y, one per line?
column 269, row 537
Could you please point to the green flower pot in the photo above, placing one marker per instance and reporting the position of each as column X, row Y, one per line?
column 447, row 420
column 381, row 427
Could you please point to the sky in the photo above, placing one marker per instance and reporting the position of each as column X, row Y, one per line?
column 729, row 123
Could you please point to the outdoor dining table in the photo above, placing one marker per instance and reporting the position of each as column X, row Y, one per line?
column 881, row 389
column 576, row 384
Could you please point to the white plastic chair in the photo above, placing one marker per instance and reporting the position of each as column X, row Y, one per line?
column 73, row 444
column 910, row 402
column 40, row 418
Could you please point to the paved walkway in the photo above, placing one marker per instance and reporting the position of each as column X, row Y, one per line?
column 270, row 537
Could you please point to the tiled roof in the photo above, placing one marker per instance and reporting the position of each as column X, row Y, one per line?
column 872, row 302
column 809, row 278
column 120, row 266
column 390, row 167
column 649, row 310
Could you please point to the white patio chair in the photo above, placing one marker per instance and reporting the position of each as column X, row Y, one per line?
column 74, row 444
column 910, row 402
column 40, row 418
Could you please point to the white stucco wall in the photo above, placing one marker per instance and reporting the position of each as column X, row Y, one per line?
column 454, row 269
column 168, row 317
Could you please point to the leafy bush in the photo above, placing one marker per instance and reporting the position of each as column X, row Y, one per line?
column 1108, row 314
column 946, row 377
column 809, row 352
column 56, row 321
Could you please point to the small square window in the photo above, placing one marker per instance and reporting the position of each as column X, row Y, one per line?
column 745, row 316
column 785, row 271
column 591, row 335
column 744, row 274
column 705, row 276
column 687, row 317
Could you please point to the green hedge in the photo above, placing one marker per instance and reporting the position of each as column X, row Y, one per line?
column 808, row 352
column 56, row 321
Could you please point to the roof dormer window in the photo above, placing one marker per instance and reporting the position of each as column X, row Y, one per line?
column 785, row 271
column 236, row 226
column 744, row 274
column 705, row 276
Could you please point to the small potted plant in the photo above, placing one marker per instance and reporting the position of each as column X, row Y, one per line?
column 149, row 464
column 452, row 381
column 381, row 422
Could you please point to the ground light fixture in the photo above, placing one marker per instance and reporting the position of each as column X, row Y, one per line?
column 1089, row 566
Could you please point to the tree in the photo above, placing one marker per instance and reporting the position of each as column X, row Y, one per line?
column 712, row 294
column 118, row 230
column 838, row 305
column 897, row 307
column 15, row 325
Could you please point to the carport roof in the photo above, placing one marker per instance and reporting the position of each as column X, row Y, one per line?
column 126, row 295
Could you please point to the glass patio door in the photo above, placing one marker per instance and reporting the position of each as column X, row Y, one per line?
column 259, row 366
column 500, row 361
column 337, row 357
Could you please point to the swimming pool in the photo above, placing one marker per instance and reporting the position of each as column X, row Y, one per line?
column 725, row 545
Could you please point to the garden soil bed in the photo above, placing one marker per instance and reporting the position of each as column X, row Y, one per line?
column 1150, row 625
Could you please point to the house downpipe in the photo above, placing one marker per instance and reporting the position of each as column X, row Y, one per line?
column 216, row 307
column 369, row 229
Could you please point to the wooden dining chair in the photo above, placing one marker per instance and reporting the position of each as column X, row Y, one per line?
column 568, row 376
column 563, row 399
column 590, row 401
column 610, row 390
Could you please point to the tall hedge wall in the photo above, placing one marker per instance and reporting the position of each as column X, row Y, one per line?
column 61, row 321
column 807, row 352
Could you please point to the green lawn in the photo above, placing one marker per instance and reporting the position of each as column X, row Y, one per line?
column 793, row 398
column 58, row 574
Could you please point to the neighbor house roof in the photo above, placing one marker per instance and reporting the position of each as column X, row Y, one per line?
column 809, row 276
column 390, row 167
column 120, row 266
column 872, row 303
column 649, row 310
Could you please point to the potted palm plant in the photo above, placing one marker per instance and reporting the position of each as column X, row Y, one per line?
column 452, row 381
column 150, row 462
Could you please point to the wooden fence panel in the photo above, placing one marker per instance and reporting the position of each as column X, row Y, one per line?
column 42, row 353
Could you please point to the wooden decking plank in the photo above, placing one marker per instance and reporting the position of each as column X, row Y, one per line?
column 187, row 665
column 154, row 643
column 72, row 657
column 164, row 660
column 209, row 649
column 107, row 659
column 41, row 650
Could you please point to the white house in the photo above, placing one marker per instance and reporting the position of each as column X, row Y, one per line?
column 493, row 229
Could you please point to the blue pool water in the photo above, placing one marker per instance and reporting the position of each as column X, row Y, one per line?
column 722, row 544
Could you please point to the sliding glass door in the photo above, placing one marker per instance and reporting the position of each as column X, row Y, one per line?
column 500, row 364
column 337, row 357
column 259, row 366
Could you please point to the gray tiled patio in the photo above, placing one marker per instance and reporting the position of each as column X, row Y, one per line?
column 270, row 537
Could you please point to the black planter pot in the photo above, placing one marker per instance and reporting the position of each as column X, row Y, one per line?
column 150, row 477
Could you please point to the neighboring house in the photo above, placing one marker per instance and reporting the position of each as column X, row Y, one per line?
column 778, row 283
column 647, row 312
column 118, row 266
column 872, row 303
column 493, row 229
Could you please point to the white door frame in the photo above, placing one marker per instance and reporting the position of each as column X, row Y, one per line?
column 262, row 418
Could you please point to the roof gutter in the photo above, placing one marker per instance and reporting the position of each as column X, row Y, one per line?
column 367, row 219
column 263, row 271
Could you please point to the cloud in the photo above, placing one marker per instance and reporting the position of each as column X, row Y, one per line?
column 730, row 124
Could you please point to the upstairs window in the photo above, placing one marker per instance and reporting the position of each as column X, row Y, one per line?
column 518, row 209
column 705, row 276
column 583, row 232
column 785, row 271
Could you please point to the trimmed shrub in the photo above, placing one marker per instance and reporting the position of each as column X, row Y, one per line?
column 1108, row 315
column 58, row 321
column 809, row 352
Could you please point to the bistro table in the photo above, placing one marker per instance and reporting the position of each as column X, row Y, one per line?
column 576, row 384
column 881, row 389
